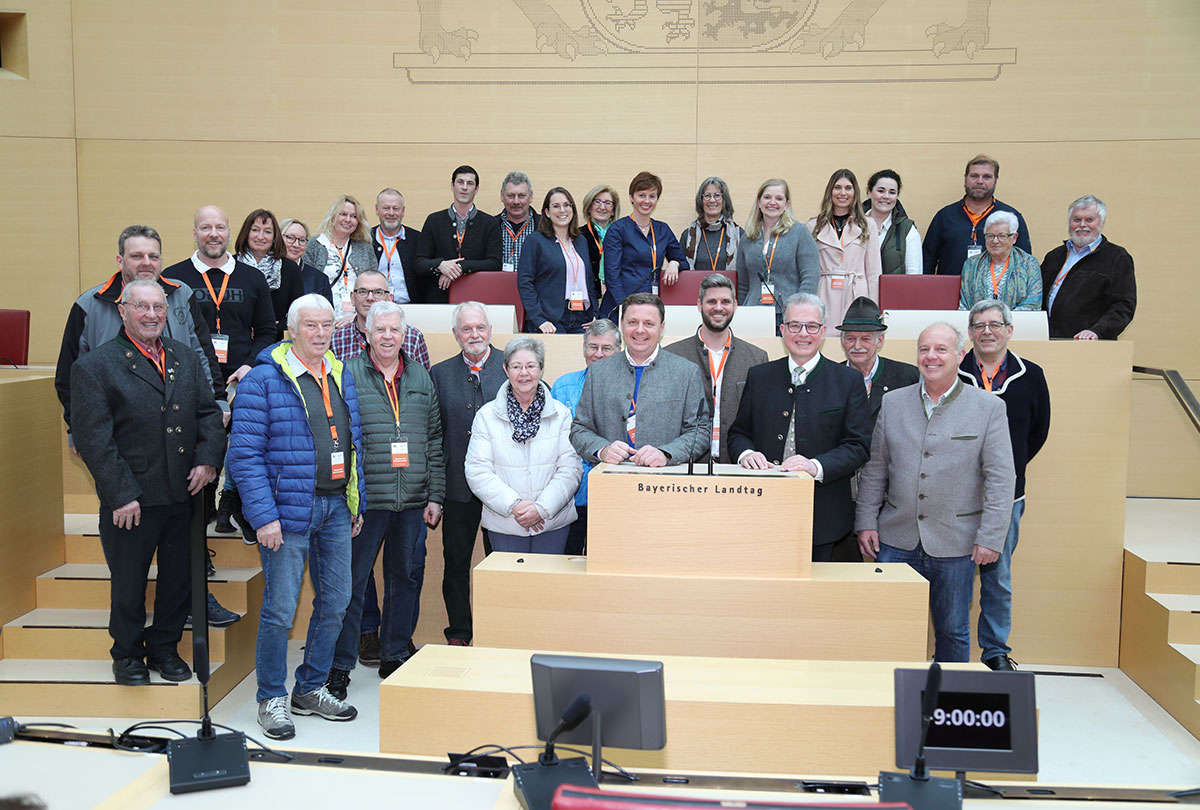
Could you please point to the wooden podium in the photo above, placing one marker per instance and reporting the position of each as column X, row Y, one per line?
column 734, row 523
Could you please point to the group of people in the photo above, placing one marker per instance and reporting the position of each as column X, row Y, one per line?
column 343, row 439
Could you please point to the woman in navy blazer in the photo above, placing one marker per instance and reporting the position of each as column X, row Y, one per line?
column 554, row 275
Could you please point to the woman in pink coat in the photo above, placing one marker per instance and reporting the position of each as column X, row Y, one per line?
column 848, row 245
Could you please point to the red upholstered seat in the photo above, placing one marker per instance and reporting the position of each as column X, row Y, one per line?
column 489, row 287
column 14, row 336
column 918, row 292
column 686, row 291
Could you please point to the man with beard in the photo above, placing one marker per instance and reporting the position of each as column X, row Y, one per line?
column 396, row 248
column 956, row 232
column 724, row 360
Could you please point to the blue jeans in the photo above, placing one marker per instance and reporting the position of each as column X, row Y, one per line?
column 326, row 546
column 995, row 593
column 950, row 582
column 397, row 533
column 371, row 618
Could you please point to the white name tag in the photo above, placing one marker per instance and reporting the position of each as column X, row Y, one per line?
column 337, row 463
column 399, row 454
column 654, row 288
column 973, row 251
column 508, row 267
column 220, row 345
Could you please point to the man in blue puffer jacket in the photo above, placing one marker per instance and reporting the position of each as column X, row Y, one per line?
column 296, row 452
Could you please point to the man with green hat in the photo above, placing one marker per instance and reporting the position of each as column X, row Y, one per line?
column 862, row 337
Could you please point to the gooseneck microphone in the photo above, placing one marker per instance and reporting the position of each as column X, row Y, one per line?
column 929, row 701
column 573, row 715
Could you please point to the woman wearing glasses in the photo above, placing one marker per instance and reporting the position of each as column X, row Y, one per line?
column 1003, row 272
column 849, row 245
column 776, row 258
column 553, row 277
column 295, row 240
column 710, row 242
column 520, row 461
column 601, row 207
column 260, row 244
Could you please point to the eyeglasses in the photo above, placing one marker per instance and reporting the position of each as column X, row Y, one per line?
column 602, row 203
column 796, row 327
column 998, row 237
column 141, row 308
column 528, row 367
column 295, row 240
column 371, row 293
column 989, row 326
column 713, row 197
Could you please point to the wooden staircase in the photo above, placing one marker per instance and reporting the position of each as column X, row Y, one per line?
column 54, row 660
column 1160, row 606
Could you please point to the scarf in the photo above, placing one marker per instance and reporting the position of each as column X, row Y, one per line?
column 526, row 423
column 269, row 267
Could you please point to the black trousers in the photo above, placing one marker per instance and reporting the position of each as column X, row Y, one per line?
column 460, row 524
column 128, row 552
column 577, row 536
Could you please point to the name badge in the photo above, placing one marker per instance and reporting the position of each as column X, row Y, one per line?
column 575, row 301
column 399, row 454
column 631, row 428
column 507, row 267
column 767, row 296
column 973, row 251
column 220, row 344
column 337, row 464
column 837, row 283
column 347, row 305
column 654, row 288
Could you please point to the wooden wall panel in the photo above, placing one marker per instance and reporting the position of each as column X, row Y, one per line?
column 41, row 103
column 1164, row 447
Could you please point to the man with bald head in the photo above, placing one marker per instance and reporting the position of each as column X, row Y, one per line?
column 937, row 491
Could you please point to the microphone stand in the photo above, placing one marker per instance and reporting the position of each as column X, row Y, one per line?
column 917, row 788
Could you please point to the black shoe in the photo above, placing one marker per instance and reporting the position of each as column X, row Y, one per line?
column 210, row 503
column 337, row 682
column 225, row 510
column 386, row 667
column 212, row 569
column 131, row 672
column 412, row 648
column 170, row 666
column 1001, row 663
column 218, row 615
column 368, row 649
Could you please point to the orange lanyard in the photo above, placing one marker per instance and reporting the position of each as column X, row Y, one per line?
column 987, row 381
column 1063, row 273
column 976, row 219
column 574, row 261
column 459, row 236
column 323, row 381
column 479, row 368
column 771, row 260
column 389, row 386
column 514, row 236
column 712, row 258
column 717, row 371
column 159, row 362
column 596, row 238
column 388, row 254
column 653, row 248
column 996, row 281
column 217, row 299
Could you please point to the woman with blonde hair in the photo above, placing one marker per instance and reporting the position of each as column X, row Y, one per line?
column 848, row 243
column 601, row 208
column 775, row 258
column 342, row 249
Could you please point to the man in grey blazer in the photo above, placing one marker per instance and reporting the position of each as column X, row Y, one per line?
column 643, row 405
column 937, row 492
column 723, row 358
column 146, row 425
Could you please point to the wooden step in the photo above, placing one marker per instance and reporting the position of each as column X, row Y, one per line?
column 230, row 551
column 81, row 634
column 1183, row 626
column 73, row 688
column 86, row 585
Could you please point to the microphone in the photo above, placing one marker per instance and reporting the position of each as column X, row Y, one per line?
column 929, row 701
column 200, row 663
column 572, row 716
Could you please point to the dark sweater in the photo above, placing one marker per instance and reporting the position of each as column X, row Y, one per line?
column 1027, row 398
column 247, row 313
column 480, row 249
column 950, row 232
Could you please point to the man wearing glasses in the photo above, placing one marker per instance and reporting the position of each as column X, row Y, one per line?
column 350, row 339
column 1022, row 385
column 807, row 413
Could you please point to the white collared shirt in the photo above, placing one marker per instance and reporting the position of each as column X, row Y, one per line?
column 226, row 268
column 928, row 401
column 649, row 359
column 297, row 365
column 807, row 367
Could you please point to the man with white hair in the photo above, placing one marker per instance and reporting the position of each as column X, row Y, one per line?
column 464, row 383
column 1090, row 291
column 937, row 492
column 296, row 452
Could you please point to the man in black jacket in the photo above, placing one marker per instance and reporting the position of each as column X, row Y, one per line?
column 464, row 382
column 1022, row 386
column 461, row 239
column 396, row 249
column 147, row 427
column 1088, row 285
column 805, row 412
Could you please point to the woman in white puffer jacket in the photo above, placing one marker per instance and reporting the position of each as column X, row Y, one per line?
column 520, row 462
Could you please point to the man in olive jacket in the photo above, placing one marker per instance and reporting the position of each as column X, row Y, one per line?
column 405, row 478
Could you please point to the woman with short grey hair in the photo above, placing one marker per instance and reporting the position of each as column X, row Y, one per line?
column 1003, row 272
column 520, row 462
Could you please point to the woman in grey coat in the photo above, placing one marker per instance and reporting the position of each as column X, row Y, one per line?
column 341, row 250
column 777, row 256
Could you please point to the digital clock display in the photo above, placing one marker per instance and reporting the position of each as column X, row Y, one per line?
column 971, row 720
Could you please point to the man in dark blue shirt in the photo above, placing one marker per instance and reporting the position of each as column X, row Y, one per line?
column 956, row 232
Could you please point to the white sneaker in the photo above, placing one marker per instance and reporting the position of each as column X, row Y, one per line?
column 275, row 719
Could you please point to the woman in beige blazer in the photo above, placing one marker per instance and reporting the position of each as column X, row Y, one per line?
column 848, row 244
